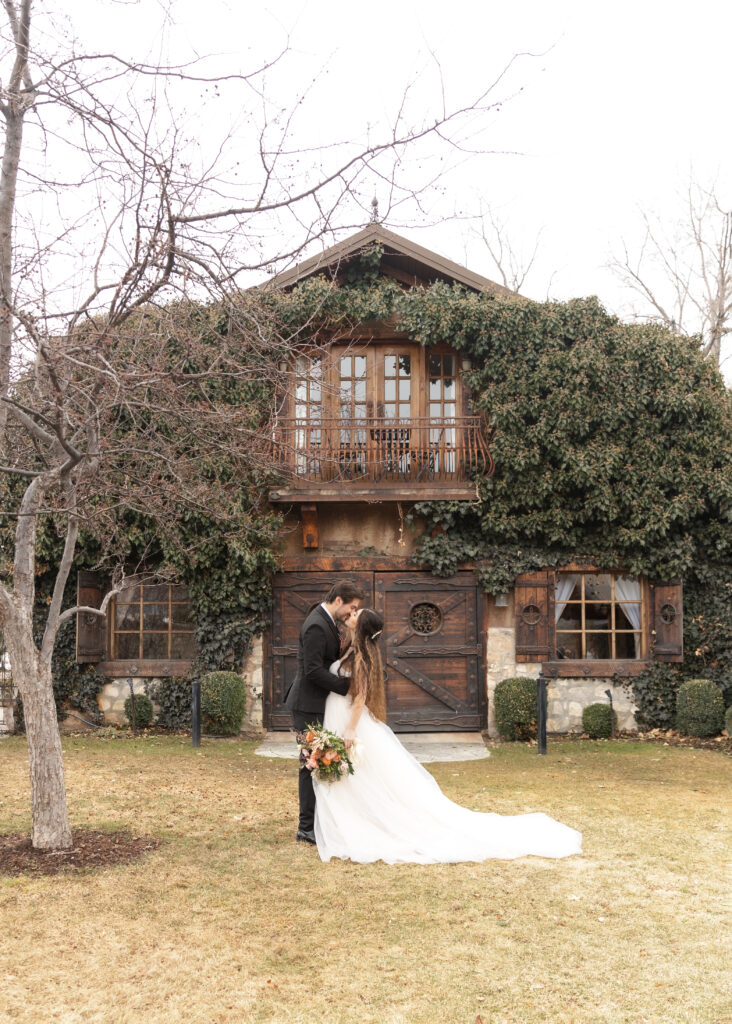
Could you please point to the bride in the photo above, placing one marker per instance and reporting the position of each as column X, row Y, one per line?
column 391, row 808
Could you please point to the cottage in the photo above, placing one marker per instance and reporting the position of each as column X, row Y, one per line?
column 372, row 423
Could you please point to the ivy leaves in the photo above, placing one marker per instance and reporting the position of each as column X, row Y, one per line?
column 610, row 440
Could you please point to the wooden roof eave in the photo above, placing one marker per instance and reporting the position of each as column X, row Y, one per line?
column 393, row 244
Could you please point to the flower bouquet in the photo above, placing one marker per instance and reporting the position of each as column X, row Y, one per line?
column 324, row 753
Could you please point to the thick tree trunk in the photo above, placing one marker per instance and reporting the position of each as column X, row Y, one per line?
column 32, row 674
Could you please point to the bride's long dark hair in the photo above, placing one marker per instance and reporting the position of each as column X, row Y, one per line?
column 368, row 670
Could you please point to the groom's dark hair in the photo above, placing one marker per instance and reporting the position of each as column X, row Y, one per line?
column 347, row 590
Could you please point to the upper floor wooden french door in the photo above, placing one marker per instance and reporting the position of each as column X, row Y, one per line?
column 386, row 411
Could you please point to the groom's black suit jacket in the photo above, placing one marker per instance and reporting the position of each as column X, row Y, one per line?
column 319, row 646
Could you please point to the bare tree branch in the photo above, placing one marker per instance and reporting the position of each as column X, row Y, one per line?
column 683, row 272
column 131, row 365
column 512, row 266
column 53, row 620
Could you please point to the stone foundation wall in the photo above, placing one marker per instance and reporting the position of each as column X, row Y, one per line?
column 500, row 664
column 116, row 691
column 254, row 686
column 113, row 695
column 566, row 698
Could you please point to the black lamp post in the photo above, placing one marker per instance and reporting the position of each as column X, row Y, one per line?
column 196, row 713
column 133, row 719
column 609, row 696
column 541, row 712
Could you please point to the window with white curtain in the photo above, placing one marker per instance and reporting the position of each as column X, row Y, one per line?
column 598, row 616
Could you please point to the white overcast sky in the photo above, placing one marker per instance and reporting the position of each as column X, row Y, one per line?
column 618, row 106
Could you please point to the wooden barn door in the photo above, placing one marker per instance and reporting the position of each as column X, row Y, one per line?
column 432, row 651
column 294, row 596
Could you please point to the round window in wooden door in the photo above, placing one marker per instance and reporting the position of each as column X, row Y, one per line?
column 432, row 652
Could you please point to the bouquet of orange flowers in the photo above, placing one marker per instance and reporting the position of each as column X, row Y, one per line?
column 324, row 753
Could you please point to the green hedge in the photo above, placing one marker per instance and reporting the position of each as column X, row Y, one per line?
column 515, row 706
column 598, row 721
column 223, row 701
column 699, row 708
column 144, row 711
column 728, row 720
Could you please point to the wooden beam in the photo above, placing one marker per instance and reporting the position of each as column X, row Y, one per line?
column 346, row 563
column 401, row 275
column 345, row 492
column 309, row 517
column 574, row 669
column 143, row 667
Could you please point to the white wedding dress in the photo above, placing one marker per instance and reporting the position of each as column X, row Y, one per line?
column 391, row 809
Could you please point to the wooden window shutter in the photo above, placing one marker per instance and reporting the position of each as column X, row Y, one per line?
column 534, row 608
column 91, row 630
column 667, row 621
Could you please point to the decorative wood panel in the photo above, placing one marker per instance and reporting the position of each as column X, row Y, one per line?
column 294, row 595
column 432, row 651
column 534, row 604
column 309, row 517
column 91, row 630
column 667, row 621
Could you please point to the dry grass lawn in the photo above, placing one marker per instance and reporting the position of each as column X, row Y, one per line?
column 231, row 921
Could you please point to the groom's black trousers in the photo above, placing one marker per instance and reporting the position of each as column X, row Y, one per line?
column 305, row 781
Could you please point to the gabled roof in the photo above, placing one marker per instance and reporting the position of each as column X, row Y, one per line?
column 405, row 260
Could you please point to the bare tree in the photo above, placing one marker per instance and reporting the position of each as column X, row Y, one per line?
column 512, row 265
column 685, row 276
column 110, row 385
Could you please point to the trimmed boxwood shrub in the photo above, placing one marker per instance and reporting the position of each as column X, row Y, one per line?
column 223, row 700
column 728, row 720
column 598, row 722
column 144, row 711
column 699, row 708
column 515, row 706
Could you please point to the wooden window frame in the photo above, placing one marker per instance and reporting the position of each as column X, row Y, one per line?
column 536, row 637
column 374, row 351
column 612, row 632
column 144, row 666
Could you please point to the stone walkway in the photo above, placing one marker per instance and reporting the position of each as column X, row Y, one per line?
column 425, row 747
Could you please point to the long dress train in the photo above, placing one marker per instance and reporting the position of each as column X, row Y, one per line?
column 391, row 809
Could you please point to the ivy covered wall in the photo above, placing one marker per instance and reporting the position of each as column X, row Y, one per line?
column 612, row 443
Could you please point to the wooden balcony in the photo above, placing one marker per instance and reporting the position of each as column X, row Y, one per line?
column 379, row 458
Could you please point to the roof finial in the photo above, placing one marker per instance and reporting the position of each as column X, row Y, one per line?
column 374, row 210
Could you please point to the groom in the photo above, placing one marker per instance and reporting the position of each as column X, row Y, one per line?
column 319, row 646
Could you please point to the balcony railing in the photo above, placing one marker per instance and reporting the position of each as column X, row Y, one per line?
column 381, row 450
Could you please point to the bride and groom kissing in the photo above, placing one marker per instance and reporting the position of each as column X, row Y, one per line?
column 391, row 808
